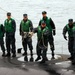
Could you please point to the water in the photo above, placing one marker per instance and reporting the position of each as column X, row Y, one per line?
column 59, row 10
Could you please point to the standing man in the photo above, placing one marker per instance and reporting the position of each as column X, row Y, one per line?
column 69, row 28
column 2, row 31
column 50, row 24
column 42, row 41
column 26, row 27
column 10, row 28
column 73, row 61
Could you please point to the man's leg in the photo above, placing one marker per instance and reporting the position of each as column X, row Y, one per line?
column 13, row 46
column 44, row 51
column 3, row 49
column 38, row 51
column 8, row 46
column 2, row 46
column 51, row 42
column 24, row 43
column 70, row 47
column 73, row 60
column 29, row 42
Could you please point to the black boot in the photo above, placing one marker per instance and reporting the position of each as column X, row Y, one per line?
column 31, row 59
column 52, row 58
column 26, row 59
column 38, row 58
column 3, row 55
column 52, row 55
column 43, row 61
column 24, row 54
column 70, row 58
column 19, row 50
column 46, row 59
column 14, row 55
column 73, row 62
column 31, row 53
column 8, row 55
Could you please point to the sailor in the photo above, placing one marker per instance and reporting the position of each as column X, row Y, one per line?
column 26, row 28
column 10, row 28
column 69, row 28
column 50, row 24
column 42, row 41
column 2, row 31
column 73, row 61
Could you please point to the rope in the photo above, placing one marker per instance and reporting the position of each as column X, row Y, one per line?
column 42, row 34
column 43, row 41
column 6, row 12
column 3, row 9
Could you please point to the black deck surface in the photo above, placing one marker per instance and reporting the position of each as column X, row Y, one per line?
column 61, row 66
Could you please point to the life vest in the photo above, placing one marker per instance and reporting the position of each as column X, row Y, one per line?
column 40, row 32
column 47, row 21
column 70, row 30
column 8, row 25
column 25, row 26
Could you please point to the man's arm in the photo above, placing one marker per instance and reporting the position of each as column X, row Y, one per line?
column 64, row 32
column 4, row 26
column 3, row 30
column 31, row 26
column 39, row 23
column 14, row 25
column 20, row 31
column 35, row 30
column 53, row 26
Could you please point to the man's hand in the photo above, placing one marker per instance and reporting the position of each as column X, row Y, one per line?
column 54, row 33
column 65, row 37
column 22, row 33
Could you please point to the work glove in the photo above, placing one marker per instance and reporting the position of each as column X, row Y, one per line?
column 31, row 34
column 65, row 37
column 25, row 34
column 54, row 33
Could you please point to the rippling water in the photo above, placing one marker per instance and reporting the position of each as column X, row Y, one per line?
column 59, row 10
